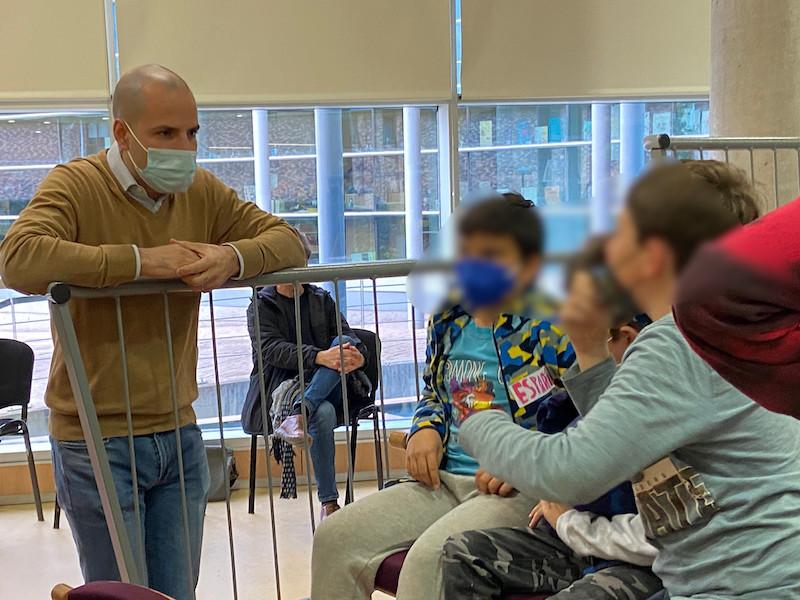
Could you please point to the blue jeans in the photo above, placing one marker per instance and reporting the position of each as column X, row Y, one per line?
column 164, row 559
column 323, row 398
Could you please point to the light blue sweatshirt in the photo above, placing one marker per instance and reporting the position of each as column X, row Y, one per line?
column 717, row 477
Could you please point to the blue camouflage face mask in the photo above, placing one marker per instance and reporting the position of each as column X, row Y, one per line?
column 483, row 282
column 167, row 170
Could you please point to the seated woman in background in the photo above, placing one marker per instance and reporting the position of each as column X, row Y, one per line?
column 495, row 347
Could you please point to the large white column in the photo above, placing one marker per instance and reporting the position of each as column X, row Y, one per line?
column 601, row 219
column 412, row 167
column 755, row 82
column 631, row 146
column 261, row 159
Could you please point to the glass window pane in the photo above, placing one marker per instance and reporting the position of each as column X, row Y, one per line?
column 291, row 132
column 374, row 183
column 430, row 182
column 294, row 185
column 239, row 175
column 372, row 129
column 375, row 238
column 225, row 134
column 31, row 143
column 430, row 129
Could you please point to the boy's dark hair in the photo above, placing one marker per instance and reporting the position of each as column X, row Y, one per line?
column 691, row 202
column 505, row 214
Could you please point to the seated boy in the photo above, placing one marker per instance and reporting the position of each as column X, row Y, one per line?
column 596, row 551
column 321, row 361
column 495, row 347
column 716, row 477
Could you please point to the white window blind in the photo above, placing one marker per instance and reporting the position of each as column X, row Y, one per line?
column 54, row 52
column 293, row 51
column 554, row 49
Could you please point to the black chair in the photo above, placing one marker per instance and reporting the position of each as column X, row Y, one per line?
column 16, row 375
column 360, row 409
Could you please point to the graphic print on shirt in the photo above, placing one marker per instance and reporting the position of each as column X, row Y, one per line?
column 671, row 498
column 469, row 388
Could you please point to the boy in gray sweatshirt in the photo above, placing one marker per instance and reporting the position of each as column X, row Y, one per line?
column 716, row 476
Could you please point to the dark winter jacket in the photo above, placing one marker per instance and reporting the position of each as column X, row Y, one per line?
column 278, row 345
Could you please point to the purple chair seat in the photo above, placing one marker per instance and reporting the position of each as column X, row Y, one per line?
column 113, row 590
column 389, row 574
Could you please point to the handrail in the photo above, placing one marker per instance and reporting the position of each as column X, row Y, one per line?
column 60, row 293
column 666, row 142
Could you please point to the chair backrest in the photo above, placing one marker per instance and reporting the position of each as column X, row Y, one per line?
column 370, row 340
column 107, row 590
column 16, row 374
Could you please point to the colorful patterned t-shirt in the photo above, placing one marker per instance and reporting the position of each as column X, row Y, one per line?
column 472, row 375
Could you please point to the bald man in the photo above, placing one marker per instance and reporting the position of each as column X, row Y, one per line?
column 140, row 210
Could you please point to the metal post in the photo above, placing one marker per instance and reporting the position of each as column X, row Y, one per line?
column 13, row 318
column 265, row 424
column 298, row 320
column 218, row 389
column 601, row 220
column 345, row 402
column 380, row 377
column 173, row 389
column 330, row 188
column 120, row 541
column 126, row 396
column 261, row 159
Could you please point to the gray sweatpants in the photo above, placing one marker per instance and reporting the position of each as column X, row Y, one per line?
column 351, row 544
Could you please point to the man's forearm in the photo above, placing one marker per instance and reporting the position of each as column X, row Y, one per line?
column 551, row 467
column 30, row 262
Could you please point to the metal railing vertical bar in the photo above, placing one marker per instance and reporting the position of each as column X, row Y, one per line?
column 267, row 438
column 385, row 462
column 752, row 166
column 298, row 328
column 223, row 462
column 345, row 400
column 775, row 176
column 13, row 318
column 727, row 154
column 173, row 389
column 62, row 319
column 126, row 397
column 797, row 154
column 414, row 342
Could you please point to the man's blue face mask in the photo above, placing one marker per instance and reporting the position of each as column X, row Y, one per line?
column 483, row 282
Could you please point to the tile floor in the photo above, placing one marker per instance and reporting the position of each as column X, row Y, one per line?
column 34, row 557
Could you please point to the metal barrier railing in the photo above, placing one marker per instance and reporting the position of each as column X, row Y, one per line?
column 773, row 164
column 129, row 553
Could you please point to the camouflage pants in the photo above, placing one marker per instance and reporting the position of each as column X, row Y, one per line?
column 489, row 564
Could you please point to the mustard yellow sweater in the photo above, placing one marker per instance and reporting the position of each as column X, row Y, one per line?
column 79, row 229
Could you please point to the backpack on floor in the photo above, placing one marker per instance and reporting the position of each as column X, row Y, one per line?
column 222, row 468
